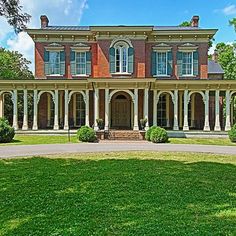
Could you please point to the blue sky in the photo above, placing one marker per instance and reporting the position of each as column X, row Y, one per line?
column 213, row 14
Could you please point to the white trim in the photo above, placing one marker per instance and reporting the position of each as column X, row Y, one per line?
column 166, row 74
column 120, row 39
column 120, row 90
column 187, row 75
column 117, row 47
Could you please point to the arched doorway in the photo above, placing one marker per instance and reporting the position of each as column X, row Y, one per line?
column 121, row 111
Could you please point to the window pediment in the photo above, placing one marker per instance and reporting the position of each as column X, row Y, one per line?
column 162, row 47
column 54, row 47
column 80, row 47
column 187, row 47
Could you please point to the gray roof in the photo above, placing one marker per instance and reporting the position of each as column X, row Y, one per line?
column 214, row 67
column 67, row 28
column 176, row 28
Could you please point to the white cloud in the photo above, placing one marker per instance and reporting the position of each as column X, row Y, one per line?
column 212, row 49
column 229, row 10
column 59, row 12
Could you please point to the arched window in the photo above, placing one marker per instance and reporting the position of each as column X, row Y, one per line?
column 121, row 58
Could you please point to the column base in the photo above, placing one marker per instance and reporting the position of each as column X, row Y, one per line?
column 147, row 127
column 217, row 128
column 25, row 127
column 227, row 128
column 35, row 128
column 206, row 128
column 96, row 128
column 185, row 128
column 106, row 128
column 136, row 128
column 176, row 128
column 56, row 127
column 66, row 127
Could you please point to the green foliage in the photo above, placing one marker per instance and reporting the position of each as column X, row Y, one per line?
column 185, row 24
column 7, row 133
column 227, row 59
column 159, row 135
column 12, row 11
column 86, row 134
column 232, row 134
column 143, row 122
column 148, row 133
column 233, row 23
column 100, row 123
column 14, row 65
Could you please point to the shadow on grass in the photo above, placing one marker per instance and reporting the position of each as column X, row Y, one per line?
column 116, row 197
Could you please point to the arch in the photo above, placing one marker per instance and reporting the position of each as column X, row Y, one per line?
column 169, row 92
column 200, row 92
column 231, row 94
column 121, row 39
column 79, row 91
column 126, row 91
column 47, row 91
column 2, row 92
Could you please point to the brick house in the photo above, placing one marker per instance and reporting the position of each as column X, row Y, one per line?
column 122, row 74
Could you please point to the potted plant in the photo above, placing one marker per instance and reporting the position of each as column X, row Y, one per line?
column 100, row 123
column 143, row 123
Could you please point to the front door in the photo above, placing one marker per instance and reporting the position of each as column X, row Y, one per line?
column 121, row 113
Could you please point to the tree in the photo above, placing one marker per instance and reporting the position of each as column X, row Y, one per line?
column 233, row 23
column 227, row 59
column 185, row 24
column 12, row 11
column 14, row 65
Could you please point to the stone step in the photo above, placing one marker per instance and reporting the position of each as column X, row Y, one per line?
column 125, row 135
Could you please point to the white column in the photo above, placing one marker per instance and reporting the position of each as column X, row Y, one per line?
column 25, row 118
column 15, row 110
column 35, row 118
column 155, row 107
column 232, row 110
column 186, row 127
column 61, row 105
column 180, row 108
column 106, row 109
column 49, row 108
column 176, row 125
column 74, row 108
column 96, row 108
column 206, row 125
column 217, row 111
column 1, row 106
column 87, row 108
column 66, row 104
column 136, row 127
column 56, row 126
column 192, row 110
column 167, row 110
column 227, row 122
column 146, row 108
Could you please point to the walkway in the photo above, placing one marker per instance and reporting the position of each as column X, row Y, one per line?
column 46, row 149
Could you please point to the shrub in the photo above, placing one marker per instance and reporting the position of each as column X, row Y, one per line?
column 232, row 134
column 148, row 133
column 159, row 135
column 143, row 123
column 86, row 134
column 7, row 133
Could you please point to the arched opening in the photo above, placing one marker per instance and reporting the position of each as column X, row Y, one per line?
column 121, row 111
column 233, row 109
column 7, row 106
column 77, row 110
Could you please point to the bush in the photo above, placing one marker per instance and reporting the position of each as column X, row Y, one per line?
column 86, row 134
column 148, row 133
column 158, row 135
column 7, row 133
column 232, row 134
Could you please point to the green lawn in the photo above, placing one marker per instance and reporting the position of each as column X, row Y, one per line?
column 50, row 139
column 136, row 193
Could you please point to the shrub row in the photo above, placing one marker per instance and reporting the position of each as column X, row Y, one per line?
column 7, row 133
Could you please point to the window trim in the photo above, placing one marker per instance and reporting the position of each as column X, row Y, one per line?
column 81, row 75
column 188, row 75
column 117, row 46
column 166, row 74
column 58, row 51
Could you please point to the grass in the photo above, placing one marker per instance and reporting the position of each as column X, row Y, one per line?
column 55, row 139
column 135, row 193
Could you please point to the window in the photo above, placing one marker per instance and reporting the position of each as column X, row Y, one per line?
column 54, row 63
column 161, row 63
column 80, row 110
column 81, row 63
column 187, row 64
column 121, row 58
column 161, row 108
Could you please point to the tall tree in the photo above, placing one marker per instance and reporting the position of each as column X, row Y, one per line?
column 12, row 11
column 233, row 23
column 14, row 65
column 227, row 59
column 185, row 24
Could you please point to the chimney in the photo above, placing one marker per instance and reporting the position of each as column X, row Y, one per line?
column 195, row 21
column 215, row 56
column 44, row 21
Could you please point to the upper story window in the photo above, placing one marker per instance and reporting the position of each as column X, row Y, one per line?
column 121, row 55
column 54, row 60
column 80, row 60
column 162, row 62
column 187, row 60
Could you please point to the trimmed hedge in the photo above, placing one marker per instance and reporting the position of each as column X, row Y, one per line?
column 7, row 133
column 148, row 133
column 159, row 135
column 86, row 134
column 232, row 134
